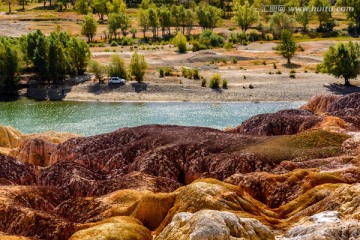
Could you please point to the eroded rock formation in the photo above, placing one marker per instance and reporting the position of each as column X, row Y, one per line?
column 276, row 174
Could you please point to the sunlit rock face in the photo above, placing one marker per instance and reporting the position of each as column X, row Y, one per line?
column 211, row 224
column 324, row 225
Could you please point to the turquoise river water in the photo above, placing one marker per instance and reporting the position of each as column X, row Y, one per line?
column 91, row 118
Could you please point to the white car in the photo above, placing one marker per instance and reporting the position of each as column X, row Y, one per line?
column 116, row 80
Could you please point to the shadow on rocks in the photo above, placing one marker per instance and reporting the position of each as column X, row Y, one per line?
column 139, row 87
column 342, row 89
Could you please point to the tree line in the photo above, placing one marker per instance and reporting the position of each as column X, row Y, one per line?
column 51, row 58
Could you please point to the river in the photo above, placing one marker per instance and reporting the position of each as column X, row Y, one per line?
column 91, row 118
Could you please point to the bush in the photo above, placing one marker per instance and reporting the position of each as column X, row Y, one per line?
column 228, row 45
column 278, row 72
column 292, row 71
column 186, row 72
column 127, row 41
column 292, row 75
column 215, row 81
column 117, row 68
column 180, row 42
column 234, row 60
column 203, row 82
column 224, row 84
column 254, row 36
column 251, row 86
column 113, row 44
column 197, row 46
column 137, row 66
column 161, row 73
column 211, row 39
column 167, row 71
column 196, row 74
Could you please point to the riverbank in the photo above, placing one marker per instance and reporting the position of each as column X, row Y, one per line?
column 253, row 88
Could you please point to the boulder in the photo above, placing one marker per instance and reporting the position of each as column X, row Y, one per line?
column 324, row 225
column 212, row 224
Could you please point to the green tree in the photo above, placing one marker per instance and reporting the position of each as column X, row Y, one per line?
column 9, row 66
column 304, row 17
column 153, row 21
column 322, row 15
column 98, row 70
column 208, row 16
column 117, row 67
column 342, row 61
column 287, row 46
column 180, row 42
column 353, row 15
column 89, row 27
column 165, row 20
column 138, row 66
column 118, row 21
column 79, row 55
column 58, row 62
column 190, row 19
column 99, row 6
column 82, row 7
column 175, row 17
column 144, row 20
column 10, row 3
column 281, row 21
column 145, row 4
column 182, row 17
column 245, row 15
column 40, row 59
column 116, row 6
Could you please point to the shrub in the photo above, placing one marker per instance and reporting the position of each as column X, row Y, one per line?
column 292, row 71
column 251, row 86
column 223, row 60
column 278, row 72
column 215, row 81
column 224, row 84
column 203, row 82
column 197, row 46
column 228, row 45
column 196, row 74
column 161, row 73
column 211, row 39
column 127, row 41
column 274, row 66
column 180, row 42
column 234, row 60
column 167, row 71
column 254, row 36
column 292, row 75
column 117, row 68
column 113, row 43
column 244, row 42
column 137, row 66
column 186, row 72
